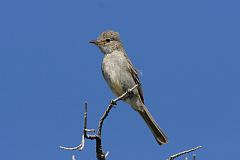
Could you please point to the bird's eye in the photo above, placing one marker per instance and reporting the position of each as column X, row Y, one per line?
column 108, row 40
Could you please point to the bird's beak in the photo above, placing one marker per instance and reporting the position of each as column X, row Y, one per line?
column 97, row 42
column 93, row 42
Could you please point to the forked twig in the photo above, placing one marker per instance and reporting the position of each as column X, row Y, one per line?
column 85, row 135
column 99, row 151
column 98, row 137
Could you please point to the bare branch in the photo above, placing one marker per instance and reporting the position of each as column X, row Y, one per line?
column 99, row 151
column 79, row 147
column 182, row 153
column 98, row 137
column 113, row 103
column 85, row 130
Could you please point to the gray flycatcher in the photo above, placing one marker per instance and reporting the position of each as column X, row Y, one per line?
column 120, row 74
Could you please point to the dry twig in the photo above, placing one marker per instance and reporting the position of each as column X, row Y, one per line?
column 172, row 157
column 98, row 137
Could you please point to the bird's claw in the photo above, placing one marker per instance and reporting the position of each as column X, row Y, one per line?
column 130, row 93
column 113, row 103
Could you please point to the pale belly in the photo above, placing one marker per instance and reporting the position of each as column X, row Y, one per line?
column 119, row 79
column 116, row 73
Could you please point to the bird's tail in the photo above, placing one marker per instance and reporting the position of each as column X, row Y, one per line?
column 160, row 137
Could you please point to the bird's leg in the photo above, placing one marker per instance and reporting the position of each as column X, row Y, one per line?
column 113, row 103
column 130, row 94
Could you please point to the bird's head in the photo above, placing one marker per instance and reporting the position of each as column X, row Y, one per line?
column 108, row 42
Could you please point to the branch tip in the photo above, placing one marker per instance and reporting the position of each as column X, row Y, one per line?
column 183, row 152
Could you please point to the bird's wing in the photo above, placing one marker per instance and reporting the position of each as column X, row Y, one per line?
column 135, row 76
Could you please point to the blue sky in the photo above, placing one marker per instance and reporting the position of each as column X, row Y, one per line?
column 187, row 52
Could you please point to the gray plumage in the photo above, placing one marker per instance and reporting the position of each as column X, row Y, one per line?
column 120, row 75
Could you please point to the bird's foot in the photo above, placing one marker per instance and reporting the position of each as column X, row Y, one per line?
column 130, row 93
column 113, row 103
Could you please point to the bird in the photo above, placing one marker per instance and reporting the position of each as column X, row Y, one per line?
column 120, row 75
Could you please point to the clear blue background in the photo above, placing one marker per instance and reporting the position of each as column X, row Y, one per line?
column 188, row 53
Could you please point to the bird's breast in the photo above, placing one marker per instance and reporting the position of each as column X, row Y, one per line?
column 115, row 72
